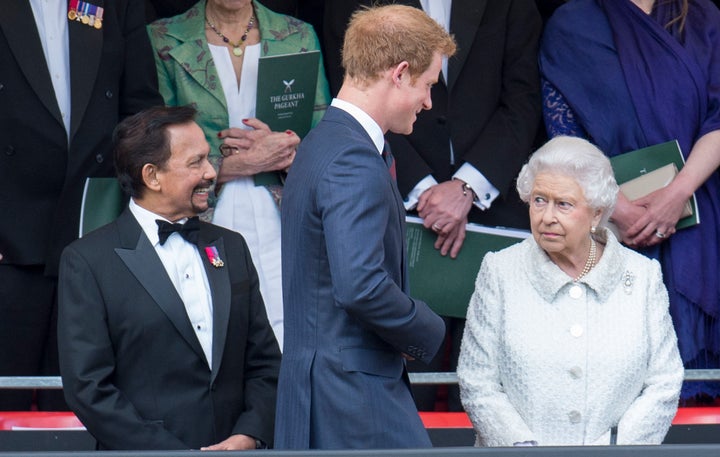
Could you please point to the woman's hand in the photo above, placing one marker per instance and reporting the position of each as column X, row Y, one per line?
column 664, row 207
column 640, row 221
column 258, row 150
column 626, row 214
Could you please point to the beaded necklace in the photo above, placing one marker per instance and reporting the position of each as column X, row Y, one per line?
column 237, row 47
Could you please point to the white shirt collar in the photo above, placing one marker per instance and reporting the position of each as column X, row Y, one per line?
column 368, row 123
column 147, row 219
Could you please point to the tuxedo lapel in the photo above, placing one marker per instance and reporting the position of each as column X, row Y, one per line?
column 219, row 281
column 86, row 44
column 18, row 25
column 143, row 262
column 465, row 18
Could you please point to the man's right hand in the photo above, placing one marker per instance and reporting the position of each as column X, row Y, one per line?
column 444, row 208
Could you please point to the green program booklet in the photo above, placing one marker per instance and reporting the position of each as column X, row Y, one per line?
column 447, row 284
column 286, row 91
column 102, row 202
column 633, row 164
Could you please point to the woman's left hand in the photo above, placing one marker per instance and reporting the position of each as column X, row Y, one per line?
column 245, row 138
column 258, row 150
column 664, row 207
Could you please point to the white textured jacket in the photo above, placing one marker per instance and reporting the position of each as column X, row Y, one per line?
column 558, row 362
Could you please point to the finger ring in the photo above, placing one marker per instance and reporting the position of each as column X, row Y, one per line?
column 659, row 234
column 436, row 227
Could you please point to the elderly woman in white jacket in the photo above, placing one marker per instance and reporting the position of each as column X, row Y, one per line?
column 568, row 338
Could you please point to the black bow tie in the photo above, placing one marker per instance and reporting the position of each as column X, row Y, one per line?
column 188, row 230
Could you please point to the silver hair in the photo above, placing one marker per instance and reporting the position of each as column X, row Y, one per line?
column 580, row 160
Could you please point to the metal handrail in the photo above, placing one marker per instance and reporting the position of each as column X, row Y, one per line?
column 55, row 382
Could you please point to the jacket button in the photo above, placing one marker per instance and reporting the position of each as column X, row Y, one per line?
column 575, row 417
column 99, row 158
column 442, row 120
column 213, row 387
column 575, row 372
column 108, row 94
column 9, row 150
column 2, row 86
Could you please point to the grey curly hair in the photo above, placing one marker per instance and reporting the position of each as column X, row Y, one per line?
column 580, row 160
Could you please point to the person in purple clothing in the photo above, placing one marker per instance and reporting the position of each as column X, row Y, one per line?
column 633, row 73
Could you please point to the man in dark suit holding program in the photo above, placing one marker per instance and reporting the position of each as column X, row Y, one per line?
column 348, row 317
column 164, row 341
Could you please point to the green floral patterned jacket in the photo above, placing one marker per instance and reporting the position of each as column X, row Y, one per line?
column 187, row 74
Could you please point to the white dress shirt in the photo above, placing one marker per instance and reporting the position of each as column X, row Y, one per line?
column 52, row 24
column 368, row 123
column 183, row 265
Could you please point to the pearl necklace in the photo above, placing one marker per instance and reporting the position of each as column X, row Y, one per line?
column 590, row 262
column 237, row 47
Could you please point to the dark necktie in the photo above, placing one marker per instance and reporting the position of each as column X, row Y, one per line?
column 188, row 230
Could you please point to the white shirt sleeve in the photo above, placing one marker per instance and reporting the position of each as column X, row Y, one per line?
column 485, row 191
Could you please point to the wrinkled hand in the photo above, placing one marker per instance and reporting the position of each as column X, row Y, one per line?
column 444, row 210
column 663, row 209
column 233, row 443
column 259, row 150
column 245, row 138
column 625, row 215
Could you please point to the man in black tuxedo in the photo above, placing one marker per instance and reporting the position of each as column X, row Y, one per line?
column 68, row 74
column 164, row 341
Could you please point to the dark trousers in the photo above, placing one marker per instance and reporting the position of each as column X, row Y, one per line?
column 28, row 335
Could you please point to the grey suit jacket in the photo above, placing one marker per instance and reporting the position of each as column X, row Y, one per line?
column 348, row 317
column 134, row 371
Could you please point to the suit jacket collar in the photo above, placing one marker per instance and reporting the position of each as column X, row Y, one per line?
column 141, row 259
column 465, row 19
column 219, row 281
column 18, row 25
column 86, row 43
column 334, row 114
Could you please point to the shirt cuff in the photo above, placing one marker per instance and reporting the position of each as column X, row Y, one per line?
column 485, row 191
column 412, row 199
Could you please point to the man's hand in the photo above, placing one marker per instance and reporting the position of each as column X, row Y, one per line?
column 234, row 443
column 444, row 209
